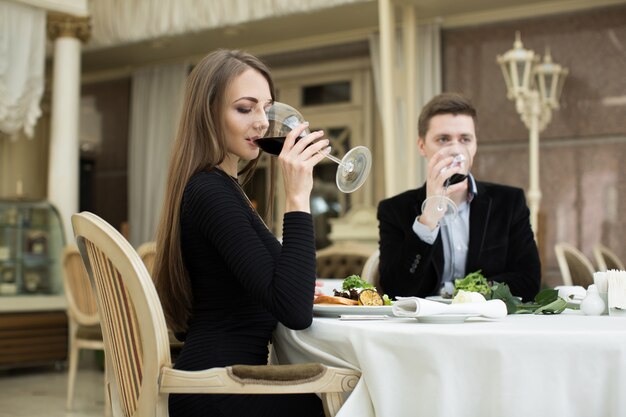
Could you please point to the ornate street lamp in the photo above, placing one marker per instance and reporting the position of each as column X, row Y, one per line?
column 536, row 88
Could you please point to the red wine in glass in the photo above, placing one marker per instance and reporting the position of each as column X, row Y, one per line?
column 353, row 168
column 272, row 145
column 454, row 179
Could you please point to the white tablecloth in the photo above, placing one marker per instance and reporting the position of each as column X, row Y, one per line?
column 524, row 365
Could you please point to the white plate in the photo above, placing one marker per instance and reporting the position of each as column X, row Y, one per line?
column 445, row 318
column 326, row 310
column 440, row 299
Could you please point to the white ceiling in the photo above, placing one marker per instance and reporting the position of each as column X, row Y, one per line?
column 340, row 25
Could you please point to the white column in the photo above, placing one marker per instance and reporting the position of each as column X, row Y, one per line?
column 410, row 72
column 387, row 42
column 63, row 166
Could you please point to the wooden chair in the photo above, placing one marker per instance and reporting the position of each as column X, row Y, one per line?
column 341, row 260
column 136, row 344
column 606, row 259
column 370, row 270
column 147, row 253
column 84, row 322
column 576, row 268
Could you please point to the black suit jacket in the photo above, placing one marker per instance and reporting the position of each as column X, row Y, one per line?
column 501, row 244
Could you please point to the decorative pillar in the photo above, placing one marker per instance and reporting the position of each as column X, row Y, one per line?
column 386, row 17
column 413, row 179
column 67, row 32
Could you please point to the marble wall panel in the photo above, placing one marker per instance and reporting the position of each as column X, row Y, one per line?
column 583, row 193
column 592, row 44
column 583, row 149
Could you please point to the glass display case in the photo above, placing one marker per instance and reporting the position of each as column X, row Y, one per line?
column 33, row 322
column 31, row 246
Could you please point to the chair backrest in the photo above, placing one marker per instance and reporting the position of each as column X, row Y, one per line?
column 133, row 324
column 370, row 270
column 81, row 302
column 147, row 253
column 606, row 259
column 575, row 268
column 341, row 260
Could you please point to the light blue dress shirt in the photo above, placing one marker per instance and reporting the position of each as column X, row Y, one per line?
column 455, row 238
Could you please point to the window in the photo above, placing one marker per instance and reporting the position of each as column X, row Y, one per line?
column 330, row 93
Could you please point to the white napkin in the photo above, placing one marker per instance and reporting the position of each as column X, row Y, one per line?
column 601, row 281
column 419, row 307
column 617, row 289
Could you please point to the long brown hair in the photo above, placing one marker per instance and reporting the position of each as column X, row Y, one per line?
column 200, row 146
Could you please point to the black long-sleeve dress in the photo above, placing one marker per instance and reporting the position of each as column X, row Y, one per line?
column 243, row 282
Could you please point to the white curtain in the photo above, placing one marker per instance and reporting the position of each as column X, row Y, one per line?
column 156, row 100
column 428, row 56
column 121, row 21
column 22, row 55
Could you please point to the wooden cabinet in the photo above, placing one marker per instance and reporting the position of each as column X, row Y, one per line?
column 32, row 338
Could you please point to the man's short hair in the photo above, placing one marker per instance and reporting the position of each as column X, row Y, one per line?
column 445, row 103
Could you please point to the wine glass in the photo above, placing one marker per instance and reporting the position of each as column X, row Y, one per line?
column 459, row 167
column 353, row 168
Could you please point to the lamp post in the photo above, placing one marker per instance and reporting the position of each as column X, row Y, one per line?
column 535, row 87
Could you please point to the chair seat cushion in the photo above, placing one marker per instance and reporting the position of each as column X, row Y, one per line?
column 277, row 374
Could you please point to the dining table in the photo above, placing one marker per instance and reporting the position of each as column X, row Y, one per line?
column 521, row 365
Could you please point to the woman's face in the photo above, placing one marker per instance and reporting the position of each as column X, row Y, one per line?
column 247, row 99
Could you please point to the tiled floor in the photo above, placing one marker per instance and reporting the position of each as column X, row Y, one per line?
column 41, row 392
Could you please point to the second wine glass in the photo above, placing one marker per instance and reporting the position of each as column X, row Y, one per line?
column 353, row 168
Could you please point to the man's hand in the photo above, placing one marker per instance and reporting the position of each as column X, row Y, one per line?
column 439, row 170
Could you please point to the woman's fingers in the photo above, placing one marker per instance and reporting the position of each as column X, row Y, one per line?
column 318, row 156
column 308, row 141
column 305, row 148
column 314, row 149
column 290, row 140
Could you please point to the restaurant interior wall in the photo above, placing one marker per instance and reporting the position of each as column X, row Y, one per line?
column 104, row 160
column 291, row 79
column 583, row 148
column 24, row 161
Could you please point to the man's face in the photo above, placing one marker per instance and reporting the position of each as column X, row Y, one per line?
column 446, row 130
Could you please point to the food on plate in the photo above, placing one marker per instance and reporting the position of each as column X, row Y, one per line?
column 369, row 297
column 463, row 297
column 355, row 291
column 473, row 282
column 476, row 283
column 330, row 299
column 355, row 281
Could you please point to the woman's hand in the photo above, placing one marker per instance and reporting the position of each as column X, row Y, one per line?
column 319, row 286
column 297, row 161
